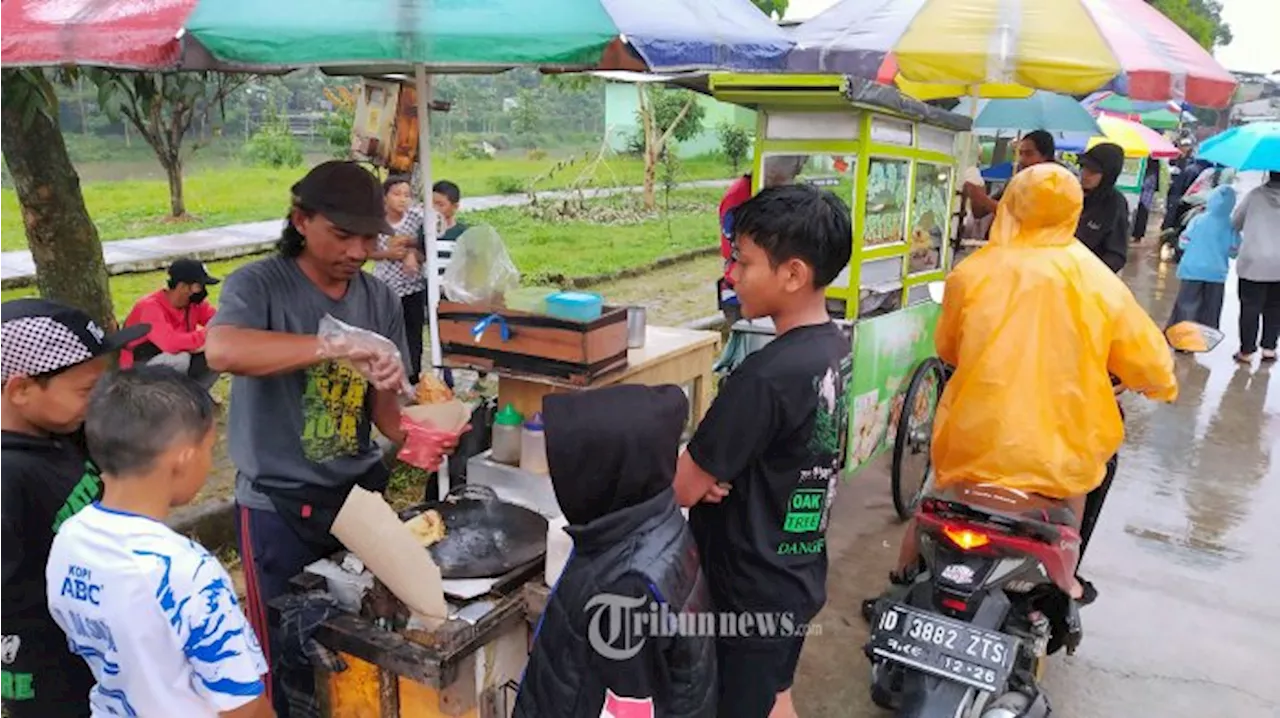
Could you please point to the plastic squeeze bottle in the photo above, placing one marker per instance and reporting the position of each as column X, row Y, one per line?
column 506, row 436
column 533, row 446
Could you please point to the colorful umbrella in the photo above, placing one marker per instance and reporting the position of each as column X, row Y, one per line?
column 1160, row 120
column 1255, row 146
column 1136, row 140
column 1067, row 46
column 1040, row 111
column 390, row 35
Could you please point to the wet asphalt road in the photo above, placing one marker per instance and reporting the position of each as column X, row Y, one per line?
column 1186, row 555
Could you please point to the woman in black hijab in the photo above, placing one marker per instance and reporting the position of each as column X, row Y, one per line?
column 1104, row 222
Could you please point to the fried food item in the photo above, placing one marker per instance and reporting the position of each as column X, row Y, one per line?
column 431, row 390
column 427, row 527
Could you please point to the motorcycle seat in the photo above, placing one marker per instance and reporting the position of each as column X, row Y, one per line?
column 1034, row 513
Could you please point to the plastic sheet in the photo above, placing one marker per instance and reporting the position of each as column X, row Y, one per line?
column 341, row 341
column 480, row 270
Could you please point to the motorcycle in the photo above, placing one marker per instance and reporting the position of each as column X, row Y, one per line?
column 969, row 634
column 1191, row 206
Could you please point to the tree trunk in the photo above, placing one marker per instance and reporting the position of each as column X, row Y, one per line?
column 173, row 171
column 63, row 240
column 650, row 177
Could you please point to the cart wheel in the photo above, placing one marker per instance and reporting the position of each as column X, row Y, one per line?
column 912, row 470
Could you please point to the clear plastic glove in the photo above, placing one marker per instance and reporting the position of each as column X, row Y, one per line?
column 373, row 355
column 425, row 446
column 973, row 175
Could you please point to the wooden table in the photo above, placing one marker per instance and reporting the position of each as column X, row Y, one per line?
column 683, row 357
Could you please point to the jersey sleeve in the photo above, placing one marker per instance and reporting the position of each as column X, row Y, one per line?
column 244, row 301
column 217, row 641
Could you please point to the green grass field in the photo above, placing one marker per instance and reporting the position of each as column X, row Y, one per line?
column 540, row 248
column 217, row 196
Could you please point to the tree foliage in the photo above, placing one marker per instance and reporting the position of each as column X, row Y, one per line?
column 664, row 115
column 63, row 240
column 772, row 8
column 1201, row 19
column 162, row 108
column 735, row 143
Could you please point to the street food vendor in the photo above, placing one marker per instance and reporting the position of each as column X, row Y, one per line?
column 302, row 406
column 1034, row 148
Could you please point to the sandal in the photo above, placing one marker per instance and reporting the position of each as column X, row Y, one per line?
column 1268, row 355
column 1243, row 358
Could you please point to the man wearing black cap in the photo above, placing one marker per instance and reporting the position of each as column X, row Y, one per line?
column 302, row 406
column 1104, row 221
column 52, row 356
column 179, row 316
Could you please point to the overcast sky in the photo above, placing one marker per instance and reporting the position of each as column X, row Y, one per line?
column 1254, row 23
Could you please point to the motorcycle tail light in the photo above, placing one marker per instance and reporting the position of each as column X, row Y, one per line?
column 966, row 539
column 955, row 604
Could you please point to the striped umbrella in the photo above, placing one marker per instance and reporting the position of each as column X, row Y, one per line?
column 1135, row 139
column 1067, row 46
column 383, row 36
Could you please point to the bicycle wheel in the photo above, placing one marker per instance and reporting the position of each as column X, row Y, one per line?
column 911, row 471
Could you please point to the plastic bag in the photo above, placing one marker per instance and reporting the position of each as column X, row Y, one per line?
column 339, row 340
column 480, row 270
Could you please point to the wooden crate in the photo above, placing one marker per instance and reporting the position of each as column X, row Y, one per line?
column 540, row 345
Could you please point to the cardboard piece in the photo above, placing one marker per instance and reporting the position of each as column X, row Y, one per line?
column 371, row 530
column 446, row 416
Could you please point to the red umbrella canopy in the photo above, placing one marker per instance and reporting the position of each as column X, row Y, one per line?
column 133, row 34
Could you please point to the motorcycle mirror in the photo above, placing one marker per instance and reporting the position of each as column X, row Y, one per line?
column 935, row 291
column 1193, row 337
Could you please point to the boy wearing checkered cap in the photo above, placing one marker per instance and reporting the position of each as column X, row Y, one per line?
column 51, row 357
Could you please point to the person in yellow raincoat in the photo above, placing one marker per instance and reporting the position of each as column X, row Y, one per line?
column 1034, row 324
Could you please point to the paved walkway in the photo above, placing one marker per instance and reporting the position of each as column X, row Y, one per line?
column 148, row 253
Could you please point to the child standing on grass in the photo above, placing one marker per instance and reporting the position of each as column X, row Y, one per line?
column 52, row 356
column 151, row 612
column 760, row 473
column 1209, row 243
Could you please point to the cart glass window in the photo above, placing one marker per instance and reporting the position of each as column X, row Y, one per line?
column 829, row 171
column 886, row 216
column 881, row 290
column 929, row 217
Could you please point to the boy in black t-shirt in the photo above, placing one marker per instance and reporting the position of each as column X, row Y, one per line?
column 52, row 357
column 761, row 471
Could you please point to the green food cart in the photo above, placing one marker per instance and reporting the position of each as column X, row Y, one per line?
column 893, row 159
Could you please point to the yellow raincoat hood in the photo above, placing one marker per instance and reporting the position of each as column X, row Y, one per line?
column 1034, row 323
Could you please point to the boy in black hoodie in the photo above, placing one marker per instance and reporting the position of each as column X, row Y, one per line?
column 612, row 454
column 52, row 357
column 1104, row 221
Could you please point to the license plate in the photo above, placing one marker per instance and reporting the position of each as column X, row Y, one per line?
column 944, row 647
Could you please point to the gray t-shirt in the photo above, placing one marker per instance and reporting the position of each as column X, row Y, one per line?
column 308, row 427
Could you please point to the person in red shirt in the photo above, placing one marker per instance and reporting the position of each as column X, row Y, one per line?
column 778, row 170
column 179, row 316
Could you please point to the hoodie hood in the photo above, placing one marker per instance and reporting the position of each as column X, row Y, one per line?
column 1040, row 208
column 1109, row 160
column 1221, row 201
column 613, row 448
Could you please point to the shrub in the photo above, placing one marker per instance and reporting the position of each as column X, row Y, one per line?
column 506, row 184
column 735, row 143
column 273, row 146
column 537, row 154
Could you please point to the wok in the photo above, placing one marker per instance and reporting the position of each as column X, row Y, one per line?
column 484, row 536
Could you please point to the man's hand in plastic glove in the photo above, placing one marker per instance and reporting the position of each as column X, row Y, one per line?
column 426, row 446
column 381, row 367
column 973, row 175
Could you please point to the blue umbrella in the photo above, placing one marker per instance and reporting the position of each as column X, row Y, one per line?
column 1255, row 146
column 1041, row 111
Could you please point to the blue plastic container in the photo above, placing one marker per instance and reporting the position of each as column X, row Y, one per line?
column 575, row 306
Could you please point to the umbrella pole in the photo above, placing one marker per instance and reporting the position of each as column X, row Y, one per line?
column 433, row 259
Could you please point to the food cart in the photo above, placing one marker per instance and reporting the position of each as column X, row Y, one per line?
column 893, row 160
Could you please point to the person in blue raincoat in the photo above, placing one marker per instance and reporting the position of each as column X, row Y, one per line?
column 1209, row 243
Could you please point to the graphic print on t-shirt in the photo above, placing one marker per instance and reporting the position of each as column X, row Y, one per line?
column 809, row 505
column 86, row 491
column 333, row 407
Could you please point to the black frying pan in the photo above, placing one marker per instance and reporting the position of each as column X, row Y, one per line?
column 484, row 536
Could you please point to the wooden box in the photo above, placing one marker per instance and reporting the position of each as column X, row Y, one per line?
column 536, row 344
